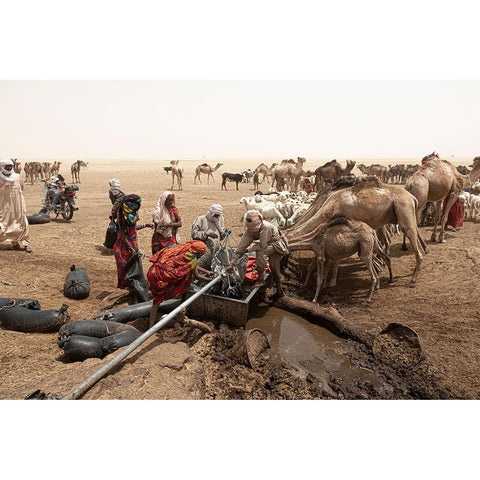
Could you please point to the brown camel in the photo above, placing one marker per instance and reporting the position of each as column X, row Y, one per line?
column 177, row 172
column 206, row 169
column 55, row 168
column 297, row 174
column 331, row 172
column 264, row 170
column 341, row 238
column 379, row 171
column 435, row 180
column 371, row 201
column 282, row 174
column 34, row 171
column 17, row 166
column 75, row 169
column 46, row 169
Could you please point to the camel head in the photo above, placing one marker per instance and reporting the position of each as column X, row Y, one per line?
column 301, row 160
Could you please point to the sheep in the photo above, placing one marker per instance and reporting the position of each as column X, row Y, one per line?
column 298, row 212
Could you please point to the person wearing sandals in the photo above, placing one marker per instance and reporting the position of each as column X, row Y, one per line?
column 13, row 220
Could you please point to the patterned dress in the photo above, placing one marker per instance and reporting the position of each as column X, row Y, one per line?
column 172, row 270
column 123, row 254
column 159, row 242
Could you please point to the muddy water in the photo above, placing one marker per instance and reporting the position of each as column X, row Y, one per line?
column 311, row 349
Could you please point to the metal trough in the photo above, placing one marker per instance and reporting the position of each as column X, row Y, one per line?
column 218, row 309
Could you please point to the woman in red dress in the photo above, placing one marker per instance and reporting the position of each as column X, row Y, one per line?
column 126, row 244
column 172, row 272
column 166, row 221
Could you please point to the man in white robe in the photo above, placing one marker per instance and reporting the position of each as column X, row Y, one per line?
column 14, row 227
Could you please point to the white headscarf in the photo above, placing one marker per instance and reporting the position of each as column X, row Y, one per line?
column 161, row 216
column 7, row 175
column 218, row 221
column 115, row 182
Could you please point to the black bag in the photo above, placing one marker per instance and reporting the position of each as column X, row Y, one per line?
column 134, row 274
column 111, row 234
column 77, row 284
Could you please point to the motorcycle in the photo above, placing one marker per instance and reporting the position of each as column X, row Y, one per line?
column 59, row 199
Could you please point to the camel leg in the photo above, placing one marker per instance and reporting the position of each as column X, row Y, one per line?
column 412, row 234
column 438, row 214
column 451, row 200
column 309, row 274
column 367, row 260
column 320, row 274
column 333, row 276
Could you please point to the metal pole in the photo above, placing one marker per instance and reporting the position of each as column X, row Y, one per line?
column 96, row 376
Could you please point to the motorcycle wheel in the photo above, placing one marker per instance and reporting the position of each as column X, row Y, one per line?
column 67, row 211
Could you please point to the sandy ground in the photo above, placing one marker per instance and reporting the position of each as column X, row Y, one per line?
column 443, row 308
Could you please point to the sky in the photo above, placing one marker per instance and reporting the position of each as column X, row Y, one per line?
column 211, row 119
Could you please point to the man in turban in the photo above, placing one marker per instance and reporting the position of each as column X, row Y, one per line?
column 210, row 229
column 268, row 241
column 13, row 220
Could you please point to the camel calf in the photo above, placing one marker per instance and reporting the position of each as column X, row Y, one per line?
column 341, row 238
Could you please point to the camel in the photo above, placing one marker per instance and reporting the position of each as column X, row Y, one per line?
column 46, row 169
column 177, row 172
column 282, row 174
column 371, row 201
column 33, row 171
column 75, row 169
column 341, row 238
column 435, row 180
column 17, row 166
column 55, row 168
column 379, row 171
column 297, row 173
column 264, row 170
column 331, row 172
column 206, row 169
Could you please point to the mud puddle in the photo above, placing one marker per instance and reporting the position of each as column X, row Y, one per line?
column 313, row 351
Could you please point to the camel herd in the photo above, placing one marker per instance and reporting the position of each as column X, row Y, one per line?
column 35, row 171
column 351, row 214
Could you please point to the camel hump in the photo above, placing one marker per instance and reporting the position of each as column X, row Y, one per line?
column 339, row 219
column 204, row 165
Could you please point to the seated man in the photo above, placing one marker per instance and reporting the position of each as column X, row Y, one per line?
column 210, row 229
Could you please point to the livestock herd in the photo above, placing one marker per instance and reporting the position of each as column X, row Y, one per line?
column 35, row 171
column 389, row 199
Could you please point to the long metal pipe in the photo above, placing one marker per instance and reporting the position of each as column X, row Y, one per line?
column 96, row 376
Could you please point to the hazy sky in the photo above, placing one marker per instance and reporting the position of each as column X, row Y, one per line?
column 234, row 119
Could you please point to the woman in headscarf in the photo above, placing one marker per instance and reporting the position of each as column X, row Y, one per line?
column 172, row 272
column 210, row 229
column 270, row 242
column 166, row 222
column 126, row 244
column 13, row 221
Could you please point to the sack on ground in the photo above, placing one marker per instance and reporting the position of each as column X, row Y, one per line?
column 77, row 284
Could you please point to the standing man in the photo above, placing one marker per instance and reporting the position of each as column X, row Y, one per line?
column 13, row 221
column 116, row 195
